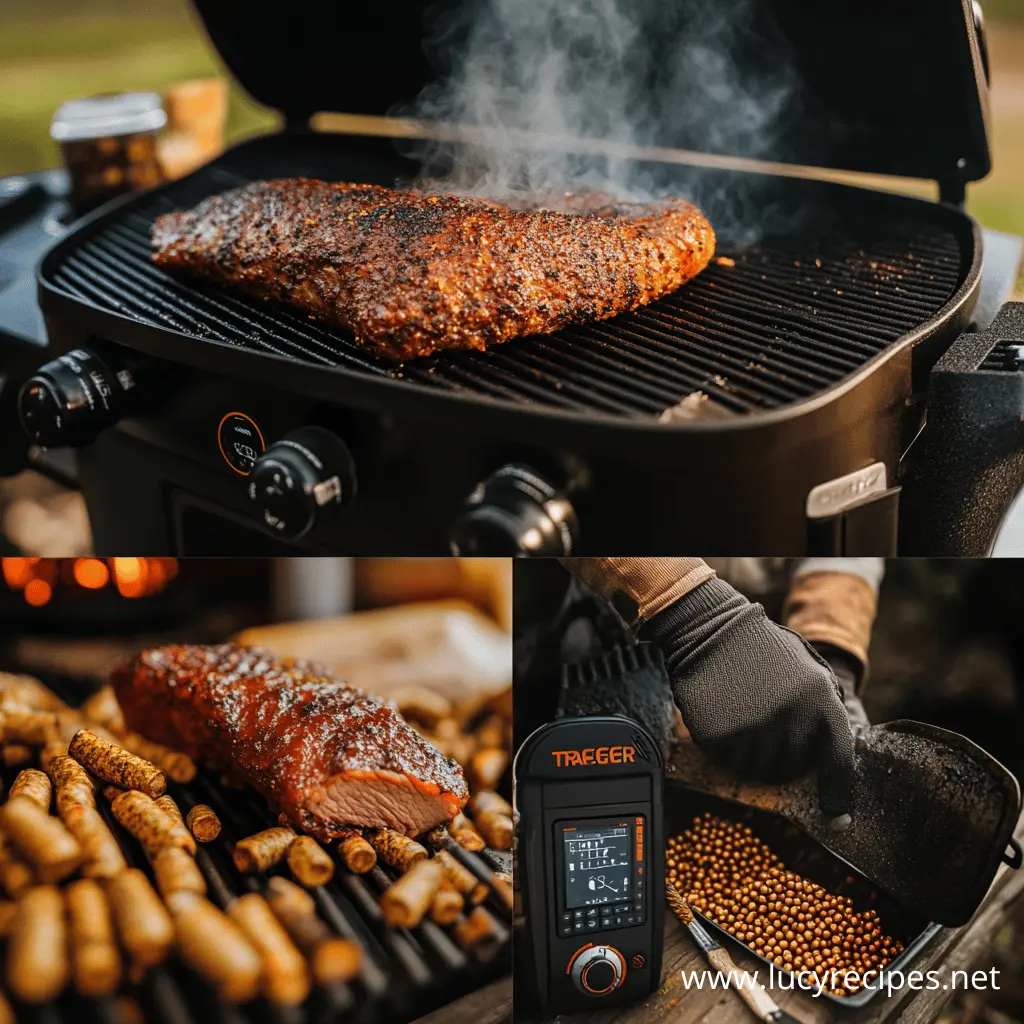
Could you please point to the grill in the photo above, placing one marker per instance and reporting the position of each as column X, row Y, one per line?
column 764, row 326
column 810, row 342
column 405, row 973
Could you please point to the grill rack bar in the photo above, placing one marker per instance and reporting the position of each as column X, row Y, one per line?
column 403, row 972
column 790, row 317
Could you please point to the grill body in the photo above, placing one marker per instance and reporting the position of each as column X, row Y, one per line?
column 704, row 419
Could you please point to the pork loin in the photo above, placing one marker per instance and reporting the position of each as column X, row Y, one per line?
column 325, row 754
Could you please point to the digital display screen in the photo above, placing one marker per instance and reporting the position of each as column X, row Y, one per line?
column 598, row 865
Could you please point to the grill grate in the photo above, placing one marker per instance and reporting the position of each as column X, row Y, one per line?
column 405, row 972
column 769, row 325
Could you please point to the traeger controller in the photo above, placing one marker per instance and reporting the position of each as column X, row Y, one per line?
column 590, row 845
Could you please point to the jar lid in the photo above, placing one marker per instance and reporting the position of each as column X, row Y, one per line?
column 98, row 117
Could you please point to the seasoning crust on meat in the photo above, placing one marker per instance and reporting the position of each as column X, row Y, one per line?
column 411, row 273
column 323, row 753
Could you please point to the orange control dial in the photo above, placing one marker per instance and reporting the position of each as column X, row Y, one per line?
column 597, row 970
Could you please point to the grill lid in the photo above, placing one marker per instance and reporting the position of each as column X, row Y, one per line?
column 862, row 85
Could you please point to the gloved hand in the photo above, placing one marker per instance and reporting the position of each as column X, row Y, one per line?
column 756, row 697
column 848, row 671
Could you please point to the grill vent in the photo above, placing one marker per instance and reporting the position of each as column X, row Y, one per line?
column 757, row 330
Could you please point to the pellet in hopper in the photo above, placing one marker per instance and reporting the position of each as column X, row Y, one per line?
column 309, row 862
column 203, row 823
column 95, row 960
column 262, row 851
column 45, row 843
column 117, row 765
column 285, row 972
column 33, row 785
column 396, row 850
column 37, row 960
column 406, row 901
column 213, row 945
column 142, row 921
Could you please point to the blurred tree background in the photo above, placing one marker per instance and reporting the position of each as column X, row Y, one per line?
column 52, row 50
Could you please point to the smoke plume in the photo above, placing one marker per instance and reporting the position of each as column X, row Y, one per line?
column 530, row 76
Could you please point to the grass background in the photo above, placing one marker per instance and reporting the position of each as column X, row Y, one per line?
column 51, row 50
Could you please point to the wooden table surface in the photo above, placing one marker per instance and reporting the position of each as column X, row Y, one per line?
column 954, row 949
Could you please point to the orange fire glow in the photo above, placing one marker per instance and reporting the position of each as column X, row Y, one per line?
column 37, row 592
column 39, row 578
column 91, row 573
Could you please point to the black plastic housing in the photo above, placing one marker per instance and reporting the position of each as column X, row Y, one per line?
column 639, row 469
column 856, row 84
column 969, row 462
column 548, row 793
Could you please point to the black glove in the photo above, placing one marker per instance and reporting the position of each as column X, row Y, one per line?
column 848, row 671
column 756, row 697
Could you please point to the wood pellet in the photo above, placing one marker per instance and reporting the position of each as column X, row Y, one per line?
column 37, row 959
column 150, row 825
column 95, row 960
column 396, row 850
column 214, row 946
column 309, row 863
column 116, row 765
column 260, row 852
column 143, row 923
column 43, row 840
column 464, row 832
column 286, row 978
column 729, row 875
column 493, row 817
column 203, row 823
column 405, row 902
column 356, row 853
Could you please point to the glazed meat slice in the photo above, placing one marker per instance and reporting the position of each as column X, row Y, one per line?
column 323, row 753
column 410, row 273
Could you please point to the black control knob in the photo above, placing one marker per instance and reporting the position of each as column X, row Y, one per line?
column 71, row 399
column 515, row 511
column 598, row 970
column 305, row 477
